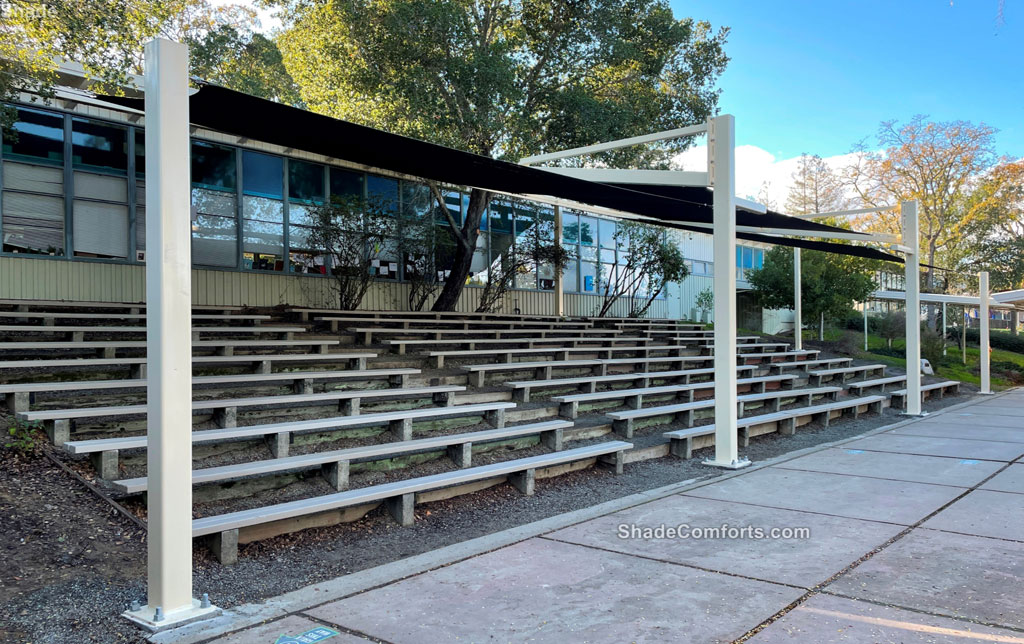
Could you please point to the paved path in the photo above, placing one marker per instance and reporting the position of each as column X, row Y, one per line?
column 916, row 534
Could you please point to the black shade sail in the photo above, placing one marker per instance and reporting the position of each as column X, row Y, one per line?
column 224, row 110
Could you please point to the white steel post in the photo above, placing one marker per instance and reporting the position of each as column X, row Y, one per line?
column 798, row 321
column 943, row 328
column 865, row 305
column 722, row 137
column 559, row 284
column 913, row 312
column 168, row 341
column 983, row 334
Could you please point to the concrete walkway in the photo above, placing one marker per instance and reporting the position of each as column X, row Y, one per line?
column 916, row 534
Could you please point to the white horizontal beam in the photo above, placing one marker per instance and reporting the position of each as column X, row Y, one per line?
column 677, row 133
column 845, row 213
column 940, row 298
column 751, row 206
column 645, row 177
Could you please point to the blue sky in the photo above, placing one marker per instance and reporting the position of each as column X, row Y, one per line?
column 818, row 76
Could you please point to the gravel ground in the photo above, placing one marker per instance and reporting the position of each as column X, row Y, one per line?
column 69, row 563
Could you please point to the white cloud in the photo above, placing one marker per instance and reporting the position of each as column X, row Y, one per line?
column 758, row 171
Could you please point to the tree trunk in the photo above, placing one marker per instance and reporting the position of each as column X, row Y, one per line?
column 821, row 328
column 464, row 247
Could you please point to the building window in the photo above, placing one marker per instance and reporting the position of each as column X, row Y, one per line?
column 100, row 207
column 305, row 181
column 99, row 146
column 213, row 166
column 382, row 194
column 262, row 211
column 35, row 136
column 214, row 228
column 33, row 209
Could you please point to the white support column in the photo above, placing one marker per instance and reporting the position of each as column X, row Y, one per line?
column 559, row 284
column 943, row 328
column 722, row 138
column 798, row 303
column 983, row 334
column 913, row 290
column 865, row 305
column 168, row 342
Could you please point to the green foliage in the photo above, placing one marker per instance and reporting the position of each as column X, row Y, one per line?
column 890, row 326
column 505, row 79
column 830, row 284
column 932, row 344
column 998, row 340
column 351, row 233
column 705, row 302
column 533, row 249
column 652, row 262
column 23, row 437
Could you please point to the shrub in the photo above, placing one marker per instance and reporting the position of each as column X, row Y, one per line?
column 1004, row 341
column 931, row 346
column 22, row 437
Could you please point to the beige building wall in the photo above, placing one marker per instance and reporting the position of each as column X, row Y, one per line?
column 29, row 278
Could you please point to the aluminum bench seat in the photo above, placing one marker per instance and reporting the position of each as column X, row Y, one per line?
column 50, row 317
column 399, row 496
column 543, row 368
column 18, row 394
column 82, row 304
column 104, row 451
column 806, row 365
column 263, row 361
column 58, row 421
column 568, row 405
column 557, row 353
column 865, row 370
column 458, row 446
column 681, row 440
column 860, row 386
column 900, row 395
column 109, row 348
column 366, row 334
column 431, row 323
column 622, row 421
column 588, row 384
column 470, row 343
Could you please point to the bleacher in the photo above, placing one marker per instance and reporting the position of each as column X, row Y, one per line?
column 307, row 417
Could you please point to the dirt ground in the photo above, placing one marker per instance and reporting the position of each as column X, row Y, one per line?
column 70, row 562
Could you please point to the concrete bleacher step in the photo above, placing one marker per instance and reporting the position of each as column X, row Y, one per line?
column 866, row 371
column 623, row 421
column 900, row 396
column 568, row 405
column 263, row 361
column 399, row 496
column 278, row 435
column 18, row 396
column 459, row 448
column 880, row 383
column 682, row 440
column 522, row 389
column 58, row 422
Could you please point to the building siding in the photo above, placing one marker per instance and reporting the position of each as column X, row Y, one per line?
column 44, row 279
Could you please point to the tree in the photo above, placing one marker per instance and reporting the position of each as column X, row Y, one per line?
column 529, row 252
column 350, row 234
column 106, row 38
column 936, row 163
column 815, row 188
column 992, row 238
column 651, row 262
column 504, row 79
column 705, row 302
column 891, row 325
column 830, row 284
column 426, row 250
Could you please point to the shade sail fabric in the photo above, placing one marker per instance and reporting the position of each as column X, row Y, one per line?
column 231, row 112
